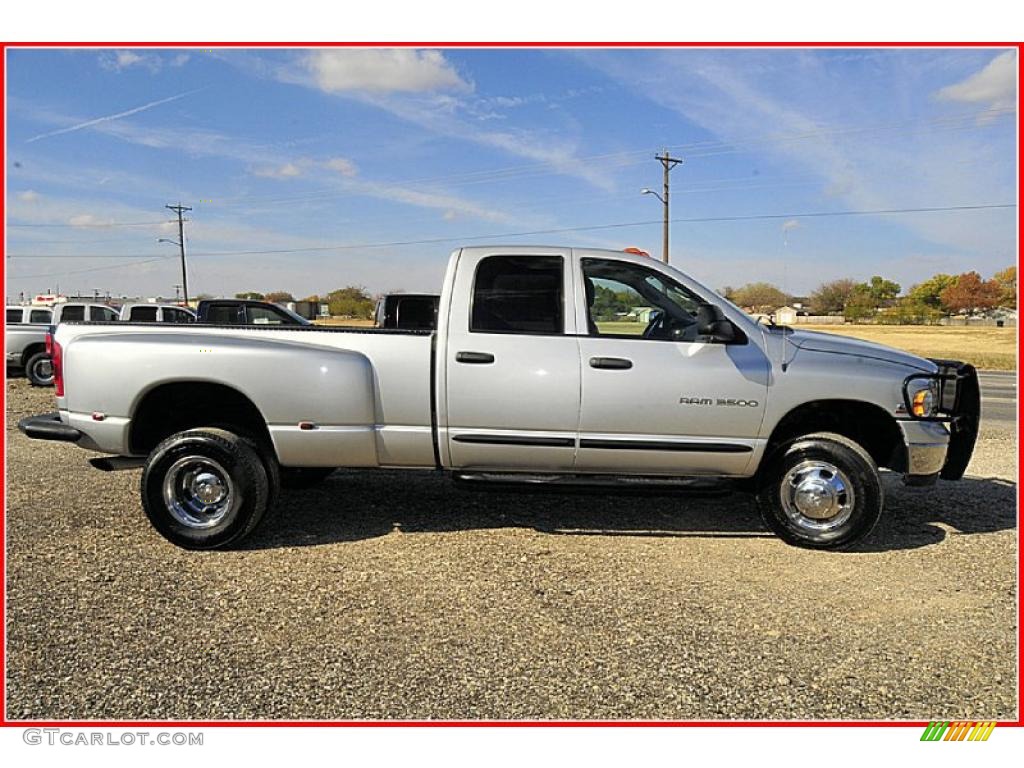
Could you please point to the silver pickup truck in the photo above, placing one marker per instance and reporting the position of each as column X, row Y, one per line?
column 25, row 342
column 535, row 373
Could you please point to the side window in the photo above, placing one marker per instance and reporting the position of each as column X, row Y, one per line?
column 629, row 300
column 13, row 316
column 104, row 314
column 225, row 314
column 142, row 315
column 267, row 316
column 40, row 316
column 175, row 316
column 72, row 314
column 518, row 294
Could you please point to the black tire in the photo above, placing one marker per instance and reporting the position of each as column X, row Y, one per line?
column 820, row 491
column 304, row 477
column 39, row 370
column 204, row 463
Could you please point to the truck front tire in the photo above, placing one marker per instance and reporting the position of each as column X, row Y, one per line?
column 820, row 491
column 205, row 488
column 39, row 370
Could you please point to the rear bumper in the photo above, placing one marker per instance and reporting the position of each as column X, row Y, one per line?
column 48, row 426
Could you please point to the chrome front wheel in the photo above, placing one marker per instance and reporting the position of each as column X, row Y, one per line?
column 820, row 491
column 817, row 497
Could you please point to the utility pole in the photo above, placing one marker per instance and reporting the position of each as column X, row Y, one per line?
column 180, row 209
column 668, row 163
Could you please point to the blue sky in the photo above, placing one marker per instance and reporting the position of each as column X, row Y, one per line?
column 319, row 154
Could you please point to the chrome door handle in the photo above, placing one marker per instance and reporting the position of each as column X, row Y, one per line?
column 478, row 358
column 611, row 363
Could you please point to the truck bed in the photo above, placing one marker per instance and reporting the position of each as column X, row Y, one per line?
column 366, row 391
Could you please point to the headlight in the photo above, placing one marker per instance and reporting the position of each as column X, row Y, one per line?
column 924, row 398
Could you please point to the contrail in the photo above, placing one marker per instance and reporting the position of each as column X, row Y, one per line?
column 108, row 118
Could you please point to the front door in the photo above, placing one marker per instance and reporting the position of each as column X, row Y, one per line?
column 513, row 364
column 658, row 398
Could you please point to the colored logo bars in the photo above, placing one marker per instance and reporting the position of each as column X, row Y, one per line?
column 958, row 731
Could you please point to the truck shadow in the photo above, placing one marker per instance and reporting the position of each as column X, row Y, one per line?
column 358, row 505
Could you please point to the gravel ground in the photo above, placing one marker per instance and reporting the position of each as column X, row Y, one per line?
column 397, row 595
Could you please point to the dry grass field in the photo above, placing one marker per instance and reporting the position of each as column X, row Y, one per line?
column 986, row 348
column 344, row 322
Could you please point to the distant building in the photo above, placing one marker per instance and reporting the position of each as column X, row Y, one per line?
column 641, row 314
column 785, row 315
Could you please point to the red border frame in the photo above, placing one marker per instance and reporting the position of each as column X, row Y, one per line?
column 5, row 723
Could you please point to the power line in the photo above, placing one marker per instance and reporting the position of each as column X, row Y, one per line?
column 708, row 148
column 89, row 269
column 564, row 230
column 107, row 224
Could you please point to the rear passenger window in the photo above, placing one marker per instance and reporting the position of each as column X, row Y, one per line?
column 71, row 314
column 225, row 314
column 142, row 315
column 518, row 294
column 175, row 316
column 40, row 316
column 13, row 315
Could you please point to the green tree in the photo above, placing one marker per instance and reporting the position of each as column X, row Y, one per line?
column 249, row 295
column 882, row 291
column 831, row 297
column 761, row 297
column 279, row 297
column 351, row 301
column 930, row 291
column 1007, row 280
column 860, row 305
column 611, row 305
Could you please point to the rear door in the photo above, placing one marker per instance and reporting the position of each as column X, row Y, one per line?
column 513, row 372
column 657, row 397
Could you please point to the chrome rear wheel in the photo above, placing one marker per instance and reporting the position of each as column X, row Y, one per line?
column 198, row 491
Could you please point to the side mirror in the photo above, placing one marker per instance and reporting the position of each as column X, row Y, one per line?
column 711, row 322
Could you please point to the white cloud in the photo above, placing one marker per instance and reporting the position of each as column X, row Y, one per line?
column 118, row 61
column 109, row 118
column 342, row 165
column 790, row 225
column 995, row 85
column 283, row 171
column 383, row 70
column 84, row 220
column 28, row 196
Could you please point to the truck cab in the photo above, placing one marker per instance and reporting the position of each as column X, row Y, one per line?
column 156, row 313
column 29, row 315
column 73, row 311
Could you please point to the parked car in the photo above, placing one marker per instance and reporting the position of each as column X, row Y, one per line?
column 25, row 346
column 521, row 381
column 156, row 313
column 246, row 312
column 412, row 311
column 29, row 315
column 73, row 311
